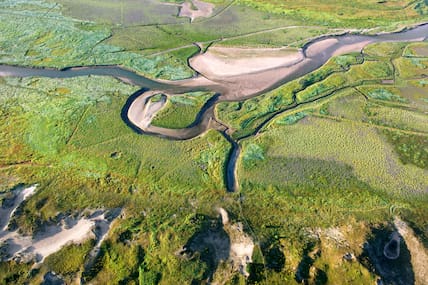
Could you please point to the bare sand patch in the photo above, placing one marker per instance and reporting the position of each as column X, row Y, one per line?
column 418, row 253
column 25, row 248
column 52, row 238
column 315, row 48
column 226, row 244
column 142, row 110
column 241, row 244
column 354, row 47
column 7, row 210
column 221, row 62
column 325, row 46
column 421, row 51
column 196, row 9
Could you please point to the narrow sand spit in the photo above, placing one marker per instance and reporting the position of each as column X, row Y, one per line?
column 319, row 46
column 196, row 9
column 150, row 110
column 221, row 62
column 142, row 110
column 355, row 47
column 418, row 253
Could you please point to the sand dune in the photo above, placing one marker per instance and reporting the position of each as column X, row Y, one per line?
column 52, row 238
column 7, row 211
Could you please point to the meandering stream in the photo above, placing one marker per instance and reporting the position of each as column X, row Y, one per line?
column 316, row 53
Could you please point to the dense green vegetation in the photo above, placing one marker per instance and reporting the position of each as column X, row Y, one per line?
column 348, row 13
column 58, row 41
column 181, row 111
column 83, row 140
column 86, row 150
column 338, row 153
column 350, row 71
column 245, row 116
column 289, row 36
column 70, row 259
column 411, row 148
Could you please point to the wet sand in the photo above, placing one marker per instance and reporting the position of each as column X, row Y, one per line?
column 222, row 63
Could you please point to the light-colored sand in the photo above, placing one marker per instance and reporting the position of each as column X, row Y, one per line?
column 224, row 216
column 356, row 47
column 241, row 252
column 19, row 196
column 418, row 253
column 51, row 242
column 150, row 110
column 196, row 10
column 52, row 238
column 241, row 244
column 142, row 110
column 315, row 48
column 221, row 62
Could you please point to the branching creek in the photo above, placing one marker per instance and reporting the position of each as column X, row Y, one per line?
column 239, row 88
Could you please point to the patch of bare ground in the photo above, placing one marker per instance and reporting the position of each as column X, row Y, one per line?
column 10, row 204
column 143, row 109
column 387, row 254
column 223, row 246
column 70, row 229
column 418, row 253
column 223, row 62
column 196, row 9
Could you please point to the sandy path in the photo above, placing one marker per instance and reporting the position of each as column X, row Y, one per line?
column 49, row 243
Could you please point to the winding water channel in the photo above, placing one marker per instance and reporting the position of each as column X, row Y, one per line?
column 316, row 53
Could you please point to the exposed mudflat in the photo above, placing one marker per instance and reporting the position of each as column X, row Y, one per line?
column 220, row 62
column 7, row 210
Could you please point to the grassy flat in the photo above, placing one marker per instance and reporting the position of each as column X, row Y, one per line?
column 329, row 165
